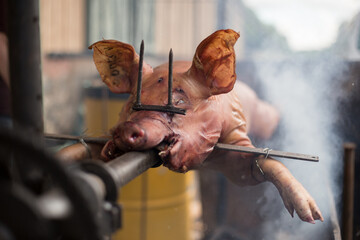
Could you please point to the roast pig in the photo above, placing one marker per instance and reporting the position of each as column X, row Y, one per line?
column 217, row 107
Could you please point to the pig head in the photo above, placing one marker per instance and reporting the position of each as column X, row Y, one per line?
column 204, row 87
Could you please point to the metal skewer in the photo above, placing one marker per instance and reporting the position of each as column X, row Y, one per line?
column 221, row 146
column 98, row 140
column 268, row 152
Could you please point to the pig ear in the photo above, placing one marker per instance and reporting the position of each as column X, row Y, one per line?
column 118, row 65
column 214, row 62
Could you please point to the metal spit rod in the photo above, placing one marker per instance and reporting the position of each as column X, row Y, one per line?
column 98, row 140
column 118, row 172
column 267, row 151
column 132, row 164
column 221, row 146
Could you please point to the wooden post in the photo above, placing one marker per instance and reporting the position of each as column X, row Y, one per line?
column 348, row 192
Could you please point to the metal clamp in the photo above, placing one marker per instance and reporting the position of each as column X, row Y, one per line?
column 167, row 108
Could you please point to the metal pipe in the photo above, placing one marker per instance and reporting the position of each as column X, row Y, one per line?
column 121, row 170
column 130, row 165
column 25, row 64
column 348, row 192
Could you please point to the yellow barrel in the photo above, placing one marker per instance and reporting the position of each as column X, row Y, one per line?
column 157, row 205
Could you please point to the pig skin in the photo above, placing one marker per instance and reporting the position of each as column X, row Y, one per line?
column 207, row 89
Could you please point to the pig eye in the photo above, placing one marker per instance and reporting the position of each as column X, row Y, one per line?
column 160, row 80
column 180, row 96
column 180, row 101
column 179, row 90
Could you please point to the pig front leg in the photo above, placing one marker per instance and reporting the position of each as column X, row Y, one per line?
column 241, row 169
column 293, row 194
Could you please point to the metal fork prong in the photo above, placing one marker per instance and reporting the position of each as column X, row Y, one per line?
column 138, row 90
column 170, row 78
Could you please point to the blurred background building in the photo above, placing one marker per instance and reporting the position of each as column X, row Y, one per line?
column 69, row 27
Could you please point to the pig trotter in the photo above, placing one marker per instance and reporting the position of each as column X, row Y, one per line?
column 293, row 194
column 296, row 198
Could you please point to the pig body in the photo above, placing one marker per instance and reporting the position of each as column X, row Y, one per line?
column 207, row 89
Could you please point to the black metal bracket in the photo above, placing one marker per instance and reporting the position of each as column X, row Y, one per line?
column 169, row 108
column 166, row 108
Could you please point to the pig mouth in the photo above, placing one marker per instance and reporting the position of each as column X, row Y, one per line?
column 111, row 150
column 166, row 145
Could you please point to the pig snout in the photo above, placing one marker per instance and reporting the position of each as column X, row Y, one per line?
column 140, row 134
column 126, row 136
column 130, row 135
column 136, row 134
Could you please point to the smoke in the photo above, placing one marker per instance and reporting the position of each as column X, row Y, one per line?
column 305, row 91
